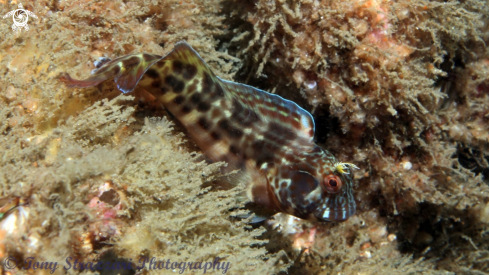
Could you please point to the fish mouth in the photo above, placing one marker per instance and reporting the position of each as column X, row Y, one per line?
column 333, row 214
column 336, row 215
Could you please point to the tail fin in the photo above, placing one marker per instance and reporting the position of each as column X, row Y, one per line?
column 126, row 71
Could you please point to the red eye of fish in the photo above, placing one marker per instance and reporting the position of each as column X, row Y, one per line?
column 332, row 184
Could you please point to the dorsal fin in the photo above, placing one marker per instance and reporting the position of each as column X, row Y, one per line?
column 184, row 53
column 274, row 107
column 189, row 65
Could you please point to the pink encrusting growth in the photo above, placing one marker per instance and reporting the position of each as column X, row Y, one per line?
column 270, row 139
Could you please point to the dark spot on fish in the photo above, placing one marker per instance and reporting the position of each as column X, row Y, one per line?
column 131, row 62
column 156, row 83
column 214, row 89
column 177, row 66
column 176, row 84
column 276, row 185
column 245, row 156
column 179, row 99
column 203, row 123
column 195, row 98
column 152, row 73
column 243, row 115
column 263, row 152
column 163, row 90
column 258, row 146
column 283, row 185
column 215, row 136
column 160, row 64
column 238, row 110
column 203, row 107
column 224, row 124
column 251, row 118
column 234, row 150
column 219, row 91
column 189, row 71
column 186, row 109
column 116, row 69
column 148, row 57
column 230, row 130
column 207, row 83
column 235, row 133
column 279, row 133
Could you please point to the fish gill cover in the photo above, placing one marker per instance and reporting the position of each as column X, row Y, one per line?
column 399, row 88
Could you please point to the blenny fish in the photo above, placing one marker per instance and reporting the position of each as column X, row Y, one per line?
column 266, row 136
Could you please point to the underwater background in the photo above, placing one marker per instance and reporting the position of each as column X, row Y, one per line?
column 398, row 88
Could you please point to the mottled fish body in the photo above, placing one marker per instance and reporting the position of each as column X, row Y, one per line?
column 269, row 138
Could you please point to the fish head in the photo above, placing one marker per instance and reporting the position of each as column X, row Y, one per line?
column 318, row 188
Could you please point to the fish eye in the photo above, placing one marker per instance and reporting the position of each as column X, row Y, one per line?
column 332, row 184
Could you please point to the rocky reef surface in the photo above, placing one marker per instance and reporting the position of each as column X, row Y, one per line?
column 399, row 88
